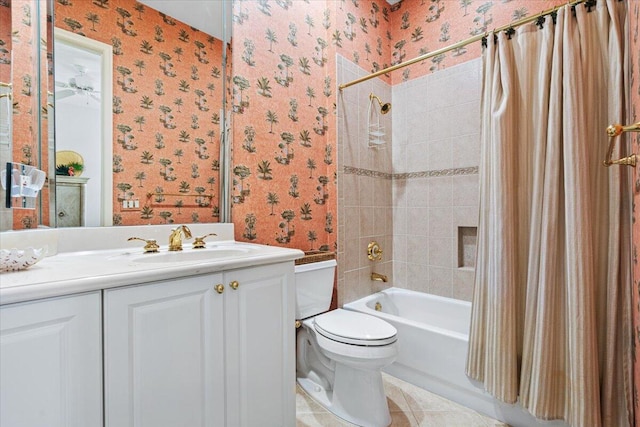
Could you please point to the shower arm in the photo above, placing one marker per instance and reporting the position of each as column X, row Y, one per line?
column 373, row 96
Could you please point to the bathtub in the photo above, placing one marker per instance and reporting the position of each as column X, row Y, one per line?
column 432, row 350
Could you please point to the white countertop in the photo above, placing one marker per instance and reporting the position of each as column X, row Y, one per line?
column 88, row 268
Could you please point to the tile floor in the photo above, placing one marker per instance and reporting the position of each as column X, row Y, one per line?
column 410, row 406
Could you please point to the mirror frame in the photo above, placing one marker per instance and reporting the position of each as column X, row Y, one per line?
column 45, row 211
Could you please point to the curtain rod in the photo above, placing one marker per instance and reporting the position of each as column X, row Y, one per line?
column 455, row 45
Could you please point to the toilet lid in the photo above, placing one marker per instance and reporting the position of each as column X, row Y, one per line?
column 351, row 327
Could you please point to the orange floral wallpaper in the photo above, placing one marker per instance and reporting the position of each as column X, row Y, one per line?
column 283, row 102
column 363, row 33
column 167, row 97
column 20, row 37
column 423, row 26
column 634, row 117
column 5, row 41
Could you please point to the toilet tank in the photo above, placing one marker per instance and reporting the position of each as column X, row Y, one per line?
column 314, row 287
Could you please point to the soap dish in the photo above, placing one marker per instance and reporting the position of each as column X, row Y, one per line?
column 20, row 259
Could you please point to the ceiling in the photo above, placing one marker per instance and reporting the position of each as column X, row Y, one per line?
column 205, row 15
column 67, row 61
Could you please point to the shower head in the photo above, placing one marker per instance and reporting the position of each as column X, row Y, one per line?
column 384, row 108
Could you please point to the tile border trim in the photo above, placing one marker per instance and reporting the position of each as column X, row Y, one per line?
column 350, row 170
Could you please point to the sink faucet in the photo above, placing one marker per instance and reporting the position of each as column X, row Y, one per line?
column 175, row 238
column 379, row 277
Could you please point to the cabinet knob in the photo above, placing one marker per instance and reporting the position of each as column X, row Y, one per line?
column 234, row 284
column 219, row 288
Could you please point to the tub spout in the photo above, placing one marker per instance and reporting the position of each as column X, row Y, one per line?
column 379, row 277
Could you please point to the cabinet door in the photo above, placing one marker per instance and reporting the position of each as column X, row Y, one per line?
column 259, row 321
column 164, row 360
column 51, row 362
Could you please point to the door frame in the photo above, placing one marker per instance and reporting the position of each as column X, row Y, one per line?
column 105, row 52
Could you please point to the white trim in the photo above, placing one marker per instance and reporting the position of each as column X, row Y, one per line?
column 105, row 52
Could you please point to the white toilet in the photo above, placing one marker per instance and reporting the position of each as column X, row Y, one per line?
column 340, row 353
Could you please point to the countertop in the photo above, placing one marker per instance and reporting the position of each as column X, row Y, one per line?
column 71, row 272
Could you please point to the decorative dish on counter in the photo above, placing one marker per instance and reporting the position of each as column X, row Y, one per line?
column 20, row 259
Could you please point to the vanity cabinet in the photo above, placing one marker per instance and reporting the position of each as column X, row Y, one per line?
column 211, row 350
column 51, row 362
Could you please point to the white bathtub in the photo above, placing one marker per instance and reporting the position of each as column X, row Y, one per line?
column 432, row 350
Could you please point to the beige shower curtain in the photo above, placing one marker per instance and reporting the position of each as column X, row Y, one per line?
column 551, row 323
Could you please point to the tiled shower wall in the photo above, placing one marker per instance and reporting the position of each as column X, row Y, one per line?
column 436, row 153
column 364, row 187
column 418, row 197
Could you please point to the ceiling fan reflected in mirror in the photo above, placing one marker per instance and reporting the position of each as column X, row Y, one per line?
column 81, row 84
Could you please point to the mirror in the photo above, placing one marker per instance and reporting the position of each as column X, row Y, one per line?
column 24, row 103
column 166, row 110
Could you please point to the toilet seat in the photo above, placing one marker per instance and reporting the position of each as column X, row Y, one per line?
column 349, row 327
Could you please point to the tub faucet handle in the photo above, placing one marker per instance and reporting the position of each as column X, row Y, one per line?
column 374, row 251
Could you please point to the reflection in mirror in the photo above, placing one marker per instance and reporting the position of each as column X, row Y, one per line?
column 22, row 184
column 166, row 109
column 23, row 71
column 83, row 119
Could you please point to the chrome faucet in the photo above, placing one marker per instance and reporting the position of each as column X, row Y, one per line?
column 175, row 238
column 379, row 277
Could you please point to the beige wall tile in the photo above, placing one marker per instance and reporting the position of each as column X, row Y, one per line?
column 462, row 286
column 441, row 252
column 417, row 277
column 418, row 221
column 400, row 274
column 466, row 190
column 440, row 191
column 465, row 150
column 440, row 281
column 440, row 222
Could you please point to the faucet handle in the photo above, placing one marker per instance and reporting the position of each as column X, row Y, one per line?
column 374, row 251
column 151, row 244
column 198, row 243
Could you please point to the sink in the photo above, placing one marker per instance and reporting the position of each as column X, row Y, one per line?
column 193, row 255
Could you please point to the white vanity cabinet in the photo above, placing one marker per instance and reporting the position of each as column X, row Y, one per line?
column 189, row 352
column 51, row 362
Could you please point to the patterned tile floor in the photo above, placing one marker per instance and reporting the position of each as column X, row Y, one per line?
column 410, row 406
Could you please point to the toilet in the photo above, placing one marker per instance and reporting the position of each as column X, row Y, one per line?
column 340, row 353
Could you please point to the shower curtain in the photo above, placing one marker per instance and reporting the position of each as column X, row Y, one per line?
column 551, row 322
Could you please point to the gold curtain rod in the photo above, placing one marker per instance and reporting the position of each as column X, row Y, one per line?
column 454, row 46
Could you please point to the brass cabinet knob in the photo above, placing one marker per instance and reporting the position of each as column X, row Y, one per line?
column 219, row 288
column 234, row 285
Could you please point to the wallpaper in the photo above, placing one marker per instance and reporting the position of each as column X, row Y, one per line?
column 375, row 35
column 19, row 35
column 634, row 117
column 283, row 102
column 167, row 95
column 363, row 33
